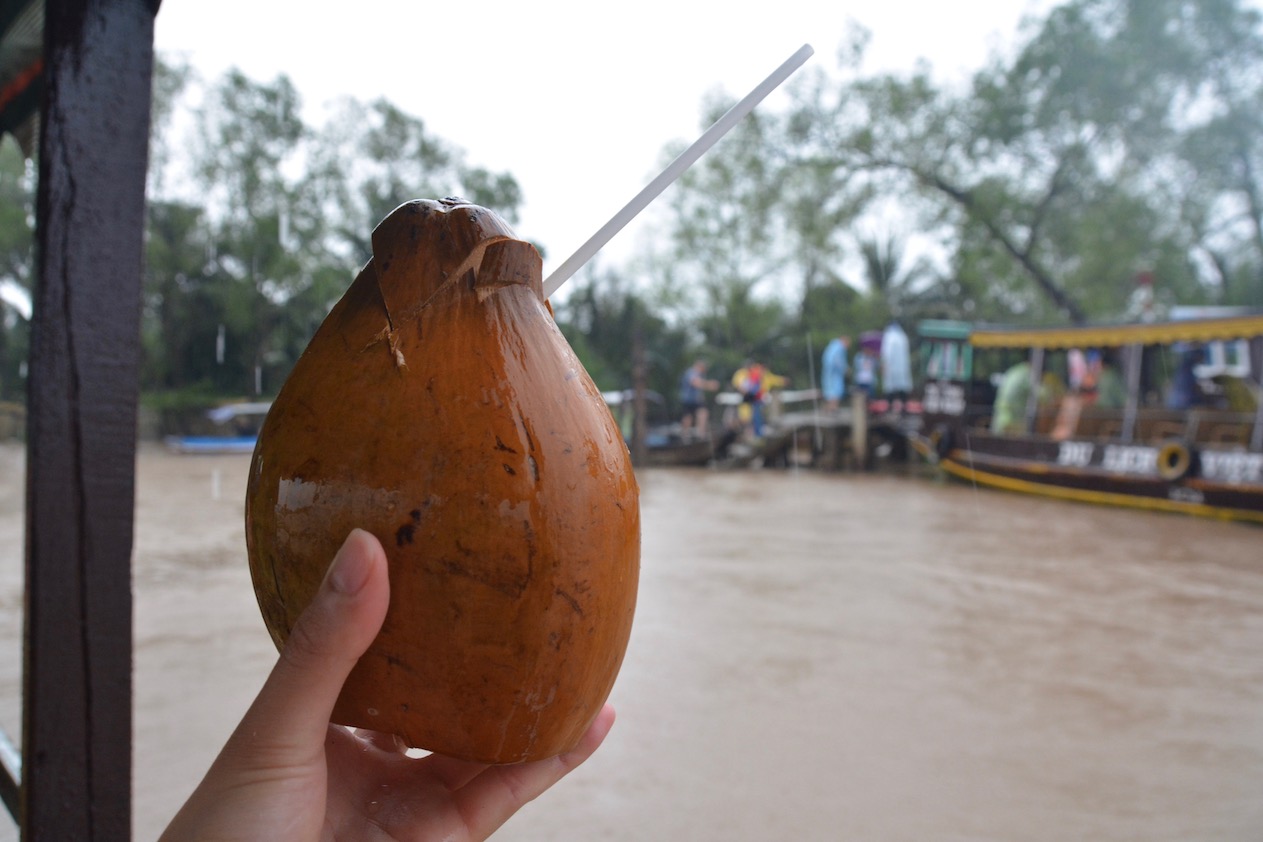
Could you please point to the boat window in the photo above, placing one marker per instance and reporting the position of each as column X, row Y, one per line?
column 1230, row 359
column 946, row 361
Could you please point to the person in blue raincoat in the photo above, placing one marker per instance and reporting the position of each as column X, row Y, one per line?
column 833, row 372
column 896, row 366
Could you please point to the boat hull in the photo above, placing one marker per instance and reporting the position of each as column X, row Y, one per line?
column 1171, row 476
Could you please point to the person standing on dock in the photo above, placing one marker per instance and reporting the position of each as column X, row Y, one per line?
column 833, row 373
column 896, row 366
column 693, row 387
column 865, row 372
column 753, row 381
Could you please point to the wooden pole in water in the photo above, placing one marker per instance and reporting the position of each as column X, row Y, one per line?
column 1256, row 437
column 640, row 417
column 859, row 427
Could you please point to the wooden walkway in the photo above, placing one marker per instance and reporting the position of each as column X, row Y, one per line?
column 846, row 439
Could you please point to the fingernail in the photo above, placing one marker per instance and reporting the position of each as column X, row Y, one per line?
column 350, row 569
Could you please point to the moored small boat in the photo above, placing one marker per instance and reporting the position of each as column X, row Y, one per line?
column 667, row 444
column 210, row 444
column 237, row 426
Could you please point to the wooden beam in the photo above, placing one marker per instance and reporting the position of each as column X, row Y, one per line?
column 81, row 446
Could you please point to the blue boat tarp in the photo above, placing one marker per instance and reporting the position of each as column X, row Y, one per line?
column 211, row 444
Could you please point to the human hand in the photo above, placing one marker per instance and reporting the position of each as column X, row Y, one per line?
column 287, row 774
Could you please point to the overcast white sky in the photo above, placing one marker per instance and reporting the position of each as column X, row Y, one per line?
column 575, row 100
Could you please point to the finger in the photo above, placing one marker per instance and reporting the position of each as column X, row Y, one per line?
column 329, row 637
column 492, row 797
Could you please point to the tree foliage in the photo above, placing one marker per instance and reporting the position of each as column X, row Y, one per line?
column 1118, row 140
column 16, row 266
column 273, row 222
column 604, row 319
column 1122, row 139
column 1114, row 139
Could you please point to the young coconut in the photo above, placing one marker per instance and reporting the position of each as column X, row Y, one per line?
column 439, row 407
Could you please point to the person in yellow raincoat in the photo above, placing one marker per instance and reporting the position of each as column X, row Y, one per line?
column 753, row 381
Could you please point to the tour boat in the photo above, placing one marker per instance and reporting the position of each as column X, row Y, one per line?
column 1156, row 415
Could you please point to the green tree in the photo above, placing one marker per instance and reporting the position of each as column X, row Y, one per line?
column 600, row 317
column 754, row 225
column 177, row 246
column 259, row 222
column 1082, row 162
column 1121, row 138
column 371, row 157
column 1133, row 99
column 268, row 233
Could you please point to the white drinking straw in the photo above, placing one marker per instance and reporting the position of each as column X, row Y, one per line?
column 673, row 171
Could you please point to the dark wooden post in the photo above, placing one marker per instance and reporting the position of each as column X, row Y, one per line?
column 81, row 451
column 1031, row 411
column 640, row 409
column 1133, row 357
column 859, row 428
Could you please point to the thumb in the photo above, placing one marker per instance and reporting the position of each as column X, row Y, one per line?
column 329, row 637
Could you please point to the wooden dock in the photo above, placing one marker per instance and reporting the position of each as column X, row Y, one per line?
column 849, row 438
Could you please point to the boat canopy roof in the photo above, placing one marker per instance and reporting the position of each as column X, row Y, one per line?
column 943, row 329
column 1116, row 335
column 229, row 411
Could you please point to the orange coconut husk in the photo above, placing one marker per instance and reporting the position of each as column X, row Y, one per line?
column 439, row 407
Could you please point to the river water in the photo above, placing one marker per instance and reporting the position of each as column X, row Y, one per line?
column 814, row 657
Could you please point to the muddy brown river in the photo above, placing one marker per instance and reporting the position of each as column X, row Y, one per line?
column 814, row 657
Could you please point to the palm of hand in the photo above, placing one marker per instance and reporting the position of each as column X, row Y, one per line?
column 378, row 792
